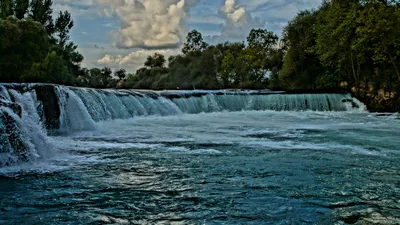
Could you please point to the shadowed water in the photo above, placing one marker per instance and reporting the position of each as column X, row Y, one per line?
column 245, row 167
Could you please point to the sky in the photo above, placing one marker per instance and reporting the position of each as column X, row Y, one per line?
column 122, row 33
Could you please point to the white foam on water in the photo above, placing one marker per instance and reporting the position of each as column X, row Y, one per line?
column 32, row 132
column 185, row 150
column 61, row 162
column 362, row 108
column 95, row 145
column 4, row 93
column 209, row 151
column 177, row 149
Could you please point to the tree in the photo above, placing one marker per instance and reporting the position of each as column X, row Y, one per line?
column 53, row 69
column 336, row 34
column 156, row 60
column 194, row 43
column 41, row 11
column 301, row 67
column 63, row 25
column 29, row 47
column 259, row 54
column 228, row 53
column 64, row 47
column 227, row 72
column 379, row 19
column 262, row 39
column 95, row 79
column 6, row 8
column 105, row 76
column 131, row 81
column 21, row 8
column 22, row 43
column 121, row 73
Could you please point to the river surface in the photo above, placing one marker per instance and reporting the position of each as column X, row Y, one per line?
column 249, row 167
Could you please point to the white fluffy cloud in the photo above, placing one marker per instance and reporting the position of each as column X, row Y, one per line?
column 149, row 24
column 133, row 60
column 109, row 59
column 238, row 21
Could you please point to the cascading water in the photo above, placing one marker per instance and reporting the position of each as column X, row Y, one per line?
column 8, row 155
column 23, row 136
column 108, row 105
column 77, row 109
column 74, row 115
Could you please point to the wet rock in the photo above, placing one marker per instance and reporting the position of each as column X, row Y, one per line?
column 11, row 137
column 347, row 100
column 51, row 109
column 16, row 108
column 378, row 100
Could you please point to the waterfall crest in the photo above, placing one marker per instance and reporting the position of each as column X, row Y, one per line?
column 29, row 111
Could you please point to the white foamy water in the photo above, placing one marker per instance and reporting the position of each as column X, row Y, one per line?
column 339, row 133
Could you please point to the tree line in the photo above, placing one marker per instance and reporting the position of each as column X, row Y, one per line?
column 343, row 44
column 35, row 47
column 348, row 43
column 204, row 66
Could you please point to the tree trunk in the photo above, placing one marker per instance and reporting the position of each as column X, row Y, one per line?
column 354, row 70
column 393, row 63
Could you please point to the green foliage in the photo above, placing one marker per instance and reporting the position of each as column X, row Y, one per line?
column 131, row 81
column 121, row 73
column 21, row 8
column 157, row 60
column 63, row 25
column 226, row 65
column 194, row 43
column 41, row 11
column 97, row 78
column 262, row 39
column 32, row 48
column 53, row 69
column 22, row 43
column 6, row 8
column 301, row 68
column 353, row 41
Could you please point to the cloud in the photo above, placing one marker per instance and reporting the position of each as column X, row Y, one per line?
column 149, row 24
column 133, row 60
column 237, row 23
column 109, row 59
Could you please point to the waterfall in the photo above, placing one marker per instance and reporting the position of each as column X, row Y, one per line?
column 29, row 111
column 74, row 115
column 23, row 137
column 111, row 104
column 276, row 102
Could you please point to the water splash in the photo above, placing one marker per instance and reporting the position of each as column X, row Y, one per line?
column 4, row 94
column 25, row 138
